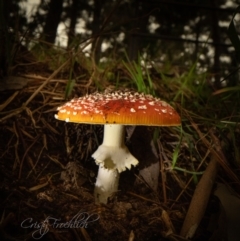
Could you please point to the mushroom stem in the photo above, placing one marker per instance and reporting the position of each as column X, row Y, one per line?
column 106, row 184
column 112, row 157
column 113, row 135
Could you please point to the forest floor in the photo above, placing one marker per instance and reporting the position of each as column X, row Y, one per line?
column 47, row 173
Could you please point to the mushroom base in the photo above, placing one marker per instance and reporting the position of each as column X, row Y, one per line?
column 106, row 185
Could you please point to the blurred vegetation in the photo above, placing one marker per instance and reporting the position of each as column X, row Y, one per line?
column 175, row 32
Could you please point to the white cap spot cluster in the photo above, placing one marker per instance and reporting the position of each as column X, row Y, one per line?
column 119, row 107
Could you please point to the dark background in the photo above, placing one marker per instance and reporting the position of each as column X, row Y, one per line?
column 185, row 32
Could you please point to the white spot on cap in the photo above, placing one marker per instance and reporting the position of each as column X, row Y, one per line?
column 56, row 116
column 77, row 108
column 67, row 120
column 143, row 107
column 164, row 110
column 132, row 110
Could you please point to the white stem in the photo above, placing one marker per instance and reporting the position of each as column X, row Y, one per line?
column 105, row 189
column 112, row 157
column 113, row 135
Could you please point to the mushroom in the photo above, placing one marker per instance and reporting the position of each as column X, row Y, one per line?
column 114, row 110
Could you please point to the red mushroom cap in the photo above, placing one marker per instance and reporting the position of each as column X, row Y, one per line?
column 126, row 108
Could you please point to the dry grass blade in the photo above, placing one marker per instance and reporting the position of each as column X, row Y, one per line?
column 190, row 180
column 203, row 190
column 55, row 160
column 131, row 236
column 143, row 198
column 45, row 83
column 219, row 156
column 199, row 200
column 85, row 234
column 24, row 106
column 28, row 158
column 168, row 223
column 46, row 124
column 215, row 151
column 9, row 100
column 40, row 186
column 162, row 170
column 13, row 113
